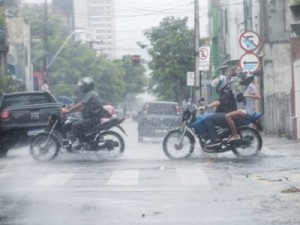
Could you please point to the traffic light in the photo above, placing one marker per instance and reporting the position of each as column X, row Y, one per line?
column 136, row 60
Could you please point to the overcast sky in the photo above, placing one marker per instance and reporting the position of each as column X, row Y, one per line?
column 135, row 16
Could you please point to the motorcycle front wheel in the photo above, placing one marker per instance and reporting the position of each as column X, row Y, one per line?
column 44, row 147
column 250, row 143
column 112, row 142
column 176, row 149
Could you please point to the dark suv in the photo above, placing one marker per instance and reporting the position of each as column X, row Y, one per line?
column 157, row 117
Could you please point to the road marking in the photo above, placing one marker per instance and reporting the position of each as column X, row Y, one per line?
column 190, row 176
column 55, row 179
column 124, row 177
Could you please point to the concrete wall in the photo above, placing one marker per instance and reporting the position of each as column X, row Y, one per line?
column 277, row 88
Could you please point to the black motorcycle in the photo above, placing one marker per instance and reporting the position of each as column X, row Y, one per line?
column 46, row 145
column 180, row 142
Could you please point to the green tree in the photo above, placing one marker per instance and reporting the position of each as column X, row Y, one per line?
column 74, row 61
column 134, row 76
column 172, row 52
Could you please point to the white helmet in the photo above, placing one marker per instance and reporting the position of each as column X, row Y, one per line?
column 220, row 82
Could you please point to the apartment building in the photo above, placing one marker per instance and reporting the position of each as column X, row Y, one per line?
column 94, row 23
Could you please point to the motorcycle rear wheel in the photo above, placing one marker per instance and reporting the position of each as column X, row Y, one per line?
column 250, row 144
column 173, row 149
column 44, row 147
column 112, row 142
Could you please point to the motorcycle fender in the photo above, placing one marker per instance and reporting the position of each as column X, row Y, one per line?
column 188, row 133
column 122, row 129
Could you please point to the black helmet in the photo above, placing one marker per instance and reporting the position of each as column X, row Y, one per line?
column 246, row 78
column 86, row 84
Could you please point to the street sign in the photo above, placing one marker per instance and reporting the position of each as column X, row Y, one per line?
column 204, row 56
column 249, row 62
column 249, row 41
column 190, row 79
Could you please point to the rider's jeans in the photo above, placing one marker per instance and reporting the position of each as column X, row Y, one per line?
column 82, row 127
column 215, row 119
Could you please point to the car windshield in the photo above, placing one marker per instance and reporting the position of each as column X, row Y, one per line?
column 16, row 100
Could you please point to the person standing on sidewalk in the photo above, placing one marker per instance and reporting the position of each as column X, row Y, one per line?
column 248, row 97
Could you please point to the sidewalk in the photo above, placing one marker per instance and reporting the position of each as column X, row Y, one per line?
column 277, row 145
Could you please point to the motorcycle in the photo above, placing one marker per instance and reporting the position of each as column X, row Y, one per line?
column 46, row 145
column 179, row 143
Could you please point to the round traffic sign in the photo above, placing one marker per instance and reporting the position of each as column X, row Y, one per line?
column 203, row 53
column 249, row 62
column 249, row 41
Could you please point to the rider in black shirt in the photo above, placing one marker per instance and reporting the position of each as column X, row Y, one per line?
column 91, row 108
column 225, row 103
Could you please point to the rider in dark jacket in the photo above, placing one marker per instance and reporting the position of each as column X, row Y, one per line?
column 90, row 107
column 225, row 103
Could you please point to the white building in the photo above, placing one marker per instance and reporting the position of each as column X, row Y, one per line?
column 96, row 22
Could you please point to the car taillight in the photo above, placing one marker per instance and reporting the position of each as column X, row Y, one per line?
column 5, row 114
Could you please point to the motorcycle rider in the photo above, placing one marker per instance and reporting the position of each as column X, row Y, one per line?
column 248, row 97
column 90, row 107
column 224, row 104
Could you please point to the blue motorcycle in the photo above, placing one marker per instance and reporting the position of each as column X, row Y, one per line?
column 179, row 143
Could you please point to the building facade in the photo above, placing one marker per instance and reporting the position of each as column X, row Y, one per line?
column 271, row 21
column 95, row 24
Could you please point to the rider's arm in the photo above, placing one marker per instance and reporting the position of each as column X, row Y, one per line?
column 213, row 104
column 76, row 107
column 210, row 105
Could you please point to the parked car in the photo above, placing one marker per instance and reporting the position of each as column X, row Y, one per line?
column 157, row 117
column 22, row 115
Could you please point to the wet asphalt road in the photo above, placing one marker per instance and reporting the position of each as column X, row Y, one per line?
column 144, row 187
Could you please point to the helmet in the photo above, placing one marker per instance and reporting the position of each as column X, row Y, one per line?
column 246, row 78
column 86, row 84
column 220, row 82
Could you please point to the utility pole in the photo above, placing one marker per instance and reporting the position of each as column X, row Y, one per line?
column 92, row 42
column 45, row 58
column 197, row 36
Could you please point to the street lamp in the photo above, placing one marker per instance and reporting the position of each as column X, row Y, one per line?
column 63, row 45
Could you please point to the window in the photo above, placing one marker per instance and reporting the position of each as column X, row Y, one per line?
column 20, row 100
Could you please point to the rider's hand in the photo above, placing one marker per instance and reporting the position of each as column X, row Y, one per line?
column 202, row 108
column 64, row 110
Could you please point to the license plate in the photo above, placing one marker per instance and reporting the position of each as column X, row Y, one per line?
column 34, row 132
